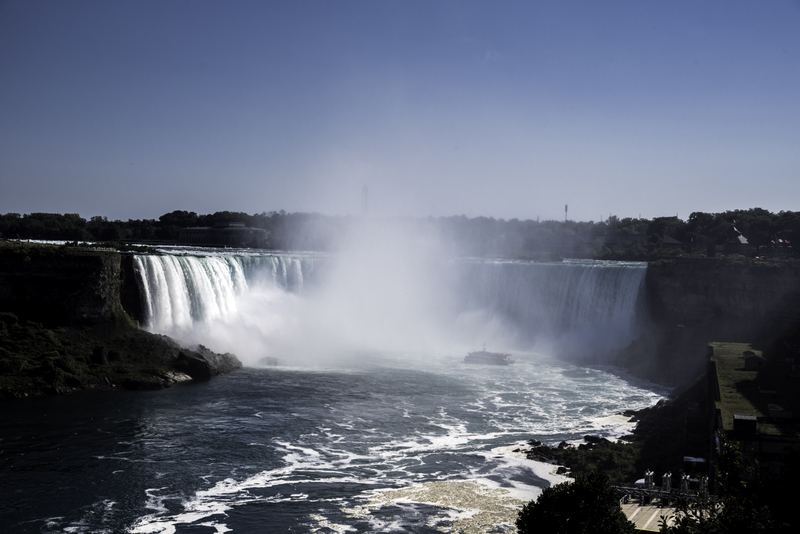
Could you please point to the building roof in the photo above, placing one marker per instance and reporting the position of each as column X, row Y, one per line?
column 731, row 235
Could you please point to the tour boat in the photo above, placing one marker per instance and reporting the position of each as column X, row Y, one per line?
column 489, row 358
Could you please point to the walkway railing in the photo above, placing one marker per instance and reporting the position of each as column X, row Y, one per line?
column 665, row 497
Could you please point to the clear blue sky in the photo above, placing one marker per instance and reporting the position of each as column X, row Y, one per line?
column 496, row 108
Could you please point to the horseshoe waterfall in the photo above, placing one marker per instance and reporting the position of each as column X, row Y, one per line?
column 446, row 303
column 355, row 411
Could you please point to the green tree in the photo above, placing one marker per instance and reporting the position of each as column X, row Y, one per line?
column 587, row 505
column 178, row 218
column 752, row 500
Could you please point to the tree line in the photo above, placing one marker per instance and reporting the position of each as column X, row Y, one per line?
column 613, row 238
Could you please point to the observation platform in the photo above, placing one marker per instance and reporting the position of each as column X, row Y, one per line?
column 647, row 517
column 645, row 507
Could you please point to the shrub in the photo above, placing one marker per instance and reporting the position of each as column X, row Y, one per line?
column 589, row 504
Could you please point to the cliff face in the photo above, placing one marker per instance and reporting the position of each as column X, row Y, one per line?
column 711, row 300
column 60, row 286
column 692, row 291
column 63, row 327
column 130, row 295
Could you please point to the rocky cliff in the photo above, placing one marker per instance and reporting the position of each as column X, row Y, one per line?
column 696, row 301
column 59, row 285
column 63, row 327
column 755, row 294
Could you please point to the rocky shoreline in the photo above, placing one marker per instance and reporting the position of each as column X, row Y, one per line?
column 64, row 327
column 653, row 444
column 37, row 361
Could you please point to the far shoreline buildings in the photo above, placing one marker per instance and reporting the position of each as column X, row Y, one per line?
column 230, row 234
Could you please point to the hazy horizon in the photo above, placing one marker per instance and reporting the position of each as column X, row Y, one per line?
column 417, row 218
column 130, row 110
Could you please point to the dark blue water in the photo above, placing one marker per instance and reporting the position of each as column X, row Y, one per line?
column 299, row 450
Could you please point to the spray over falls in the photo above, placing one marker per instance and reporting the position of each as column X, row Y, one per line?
column 282, row 304
column 373, row 447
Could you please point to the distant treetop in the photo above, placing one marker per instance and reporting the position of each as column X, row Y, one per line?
column 614, row 238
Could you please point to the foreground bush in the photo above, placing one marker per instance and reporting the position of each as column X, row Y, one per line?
column 588, row 505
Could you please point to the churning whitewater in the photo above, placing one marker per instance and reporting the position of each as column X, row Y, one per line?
column 372, row 422
column 285, row 306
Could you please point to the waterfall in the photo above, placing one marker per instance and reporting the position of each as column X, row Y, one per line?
column 603, row 300
column 181, row 290
column 347, row 301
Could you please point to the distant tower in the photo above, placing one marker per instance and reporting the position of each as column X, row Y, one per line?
column 364, row 201
column 566, row 207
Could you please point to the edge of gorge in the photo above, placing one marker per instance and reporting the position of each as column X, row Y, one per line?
column 63, row 327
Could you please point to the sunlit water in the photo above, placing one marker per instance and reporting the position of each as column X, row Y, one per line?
column 295, row 450
column 373, row 422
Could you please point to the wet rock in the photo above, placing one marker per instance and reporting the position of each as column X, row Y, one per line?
column 194, row 366
column 219, row 363
column 175, row 377
column 595, row 440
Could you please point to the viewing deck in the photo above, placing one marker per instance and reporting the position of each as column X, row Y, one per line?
column 645, row 507
column 647, row 517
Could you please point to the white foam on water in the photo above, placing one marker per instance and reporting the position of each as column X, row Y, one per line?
column 464, row 506
column 263, row 302
column 218, row 528
column 97, row 513
column 323, row 522
column 615, row 426
column 155, row 502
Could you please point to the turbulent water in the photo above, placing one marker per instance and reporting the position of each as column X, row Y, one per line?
column 272, row 304
column 365, row 427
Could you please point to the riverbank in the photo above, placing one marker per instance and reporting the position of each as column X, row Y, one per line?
column 64, row 329
column 659, row 442
column 36, row 360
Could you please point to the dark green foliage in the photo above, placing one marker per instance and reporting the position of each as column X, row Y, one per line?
column 26, row 252
column 618, row 460
column 653, row 447
column 753, row 498
column 479, row 236
column 587, row 505
column 36, row 360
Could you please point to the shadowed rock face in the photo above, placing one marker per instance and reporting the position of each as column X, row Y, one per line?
column 56, row 286
column 693, row 291
column 202, row 363
column 63, row 328
column 710, row 300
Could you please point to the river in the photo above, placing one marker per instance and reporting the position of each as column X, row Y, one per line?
column 361, row 428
